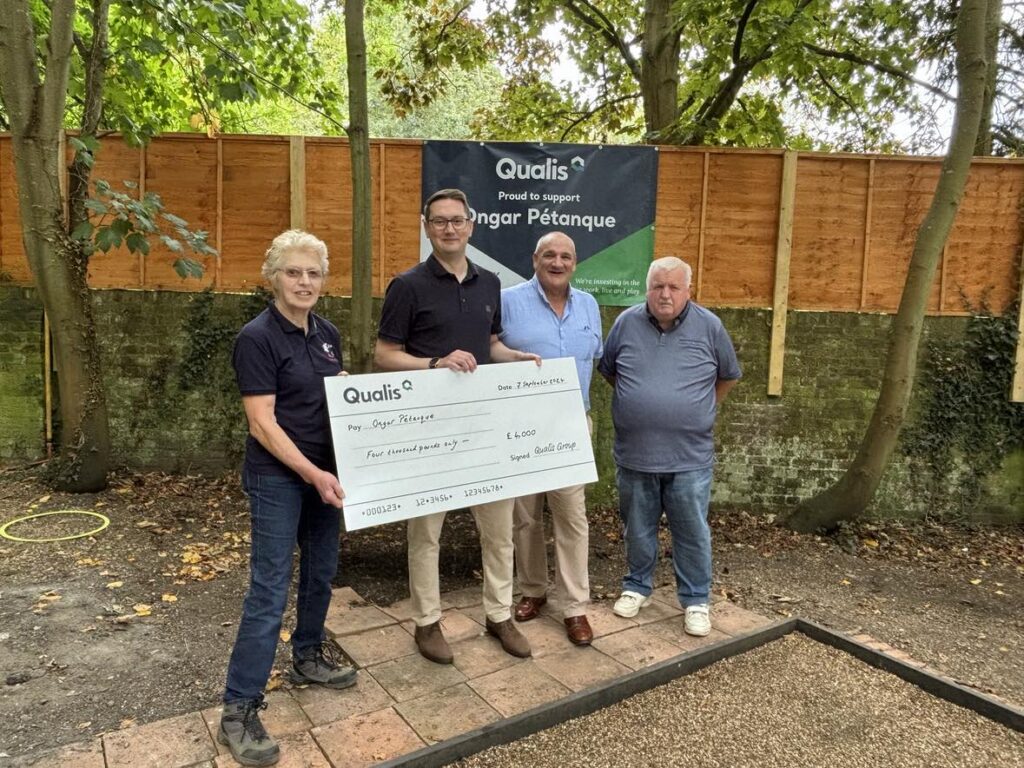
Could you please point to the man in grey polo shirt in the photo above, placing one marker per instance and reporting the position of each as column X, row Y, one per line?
column 671, row 362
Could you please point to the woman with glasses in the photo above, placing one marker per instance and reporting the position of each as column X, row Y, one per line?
column 281, row 358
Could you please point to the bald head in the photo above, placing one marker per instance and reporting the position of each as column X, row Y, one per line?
column 554, row 261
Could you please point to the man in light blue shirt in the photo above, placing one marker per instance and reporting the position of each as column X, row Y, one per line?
column 548, row 317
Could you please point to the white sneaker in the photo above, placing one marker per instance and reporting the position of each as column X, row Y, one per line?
column 629, row 604
column 698, row 620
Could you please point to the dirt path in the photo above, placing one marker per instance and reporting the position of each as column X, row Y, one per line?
column 135, row 624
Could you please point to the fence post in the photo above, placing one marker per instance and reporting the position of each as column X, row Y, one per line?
column 1017, row 391
column 870, row 194
column 297, row 176
column 783, row 250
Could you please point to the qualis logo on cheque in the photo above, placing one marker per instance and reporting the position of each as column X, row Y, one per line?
column 549, row 170
column 381, row 394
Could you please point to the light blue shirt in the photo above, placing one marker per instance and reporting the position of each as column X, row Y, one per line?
column 531, row 325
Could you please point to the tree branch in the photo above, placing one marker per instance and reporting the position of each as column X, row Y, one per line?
column 591, row 112
column 604, row 27
column 58, row 55
column 886, row 68
column 741, row 27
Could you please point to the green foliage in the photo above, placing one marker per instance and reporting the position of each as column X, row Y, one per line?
column 837, row 75
column 121, row 218
column 208, row 338
column 966, row 412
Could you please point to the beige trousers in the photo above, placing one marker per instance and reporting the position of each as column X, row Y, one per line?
column 494, row 522
column 572, row 538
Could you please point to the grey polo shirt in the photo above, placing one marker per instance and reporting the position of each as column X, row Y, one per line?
column 664, row 403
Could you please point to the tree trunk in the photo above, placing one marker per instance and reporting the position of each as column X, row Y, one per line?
column 659, row 70
column 360, row 327
column 850, row 497
column 36, row 110
column 993, row 25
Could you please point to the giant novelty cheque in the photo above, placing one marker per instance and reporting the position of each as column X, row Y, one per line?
column 411, row 443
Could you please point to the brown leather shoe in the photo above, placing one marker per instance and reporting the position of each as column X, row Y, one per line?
column 579, row 631
column 430, row 640
column 529, row 607
column 511, row 638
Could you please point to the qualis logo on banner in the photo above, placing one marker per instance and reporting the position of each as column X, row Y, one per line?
column 549, row 170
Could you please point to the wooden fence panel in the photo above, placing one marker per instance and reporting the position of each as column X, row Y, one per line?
column 828, row 233
column 856, row 218
column 116, row 163
column 401, row 224
column 677, row 217
column 742, row 226
column 184, row 174
column 902, row 193
column 329, row 208
column 985, row 245
column 13, row 264
column 256, row 207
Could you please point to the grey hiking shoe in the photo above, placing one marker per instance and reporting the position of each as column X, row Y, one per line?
column 242, row 732
column 323, row 665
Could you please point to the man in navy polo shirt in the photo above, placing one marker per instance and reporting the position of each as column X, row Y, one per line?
column 548, row 316
column 671, row 362
column 446, row 313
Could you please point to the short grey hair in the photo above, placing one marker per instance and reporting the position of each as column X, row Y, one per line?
column 544, row 241
column 667, row 264
column 293, row 240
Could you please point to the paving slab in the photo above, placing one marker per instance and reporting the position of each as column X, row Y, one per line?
column 447, row 713
column 298, row 750
column 413, row 676
column 657, row 611
column 463, row 598
column 545, row 635
column 636, row 648
column 82, row 754
column 348, row 614
column 604, row 621
column 323, row 705
column 363, row 740
column 481, row 655
column 282, row 716
column 581, row 668
column 372, row 646
column 519, row 688
column 730, row 618
column 674, row 631
column 172, row 743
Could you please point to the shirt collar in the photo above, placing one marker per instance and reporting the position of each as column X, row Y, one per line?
column 543, row 296
column 676, row 322
column 437, row 268
column 288, row 326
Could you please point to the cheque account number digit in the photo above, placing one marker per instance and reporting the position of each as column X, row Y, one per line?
column 482, row 489
column 437, row 498
column 520, row 435
column 380, row 509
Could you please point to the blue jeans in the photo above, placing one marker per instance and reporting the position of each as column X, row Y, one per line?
column 684, row 497
column 284, row 511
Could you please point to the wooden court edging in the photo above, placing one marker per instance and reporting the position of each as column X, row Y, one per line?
column 604, row 695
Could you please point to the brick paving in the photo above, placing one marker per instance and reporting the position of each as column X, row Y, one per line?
column 401, row 701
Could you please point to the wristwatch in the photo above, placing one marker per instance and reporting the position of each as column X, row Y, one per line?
column 433, row 362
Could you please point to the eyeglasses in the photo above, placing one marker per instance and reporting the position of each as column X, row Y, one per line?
column 295, row 273
column 458, row 223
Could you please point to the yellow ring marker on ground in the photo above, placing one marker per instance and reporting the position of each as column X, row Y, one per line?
column 5, row 535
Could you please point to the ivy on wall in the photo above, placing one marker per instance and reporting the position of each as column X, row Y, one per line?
column 966, row 423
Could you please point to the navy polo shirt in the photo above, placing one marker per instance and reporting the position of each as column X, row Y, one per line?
column 273, row 356
column 431, row 313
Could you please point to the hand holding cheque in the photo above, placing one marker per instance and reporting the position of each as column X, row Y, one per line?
column 411, row 443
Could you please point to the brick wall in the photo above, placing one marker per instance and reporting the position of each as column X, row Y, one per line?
column 21, row 375
column 173, row 403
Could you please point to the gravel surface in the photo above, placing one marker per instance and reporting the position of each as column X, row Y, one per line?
column 793, row 702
